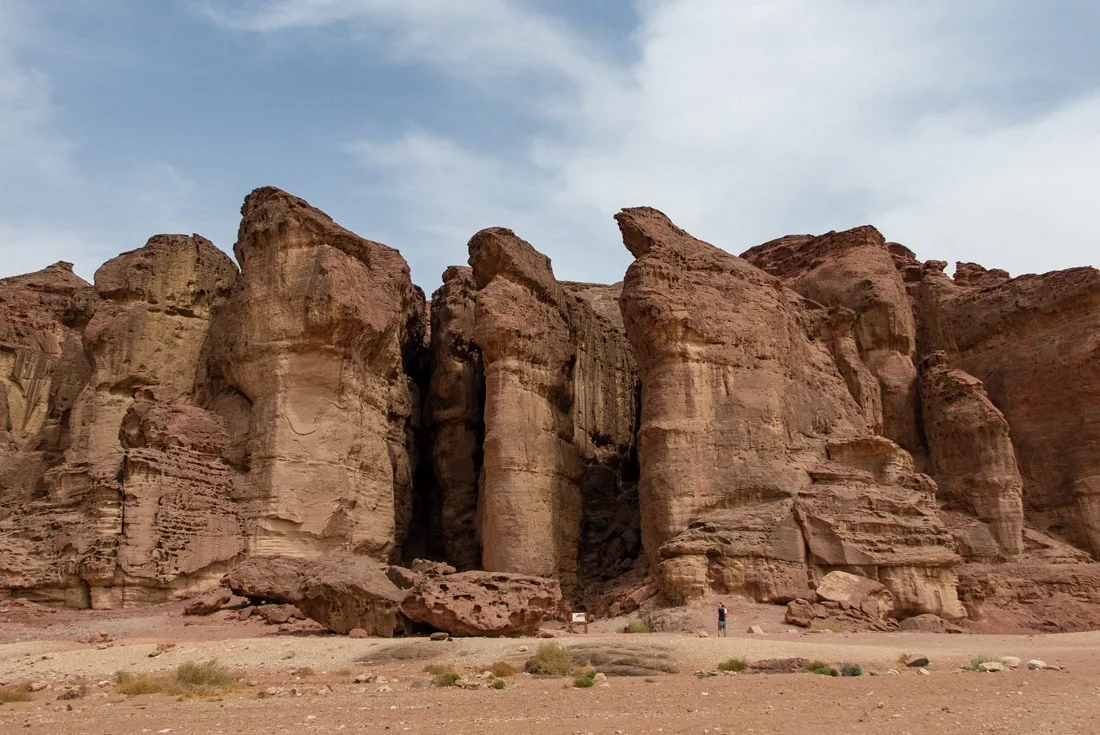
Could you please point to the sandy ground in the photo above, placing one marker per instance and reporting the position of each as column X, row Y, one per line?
column 49, row 649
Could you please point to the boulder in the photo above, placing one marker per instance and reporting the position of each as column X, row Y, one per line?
column 858, row 592
column 209, row 602
column 799, row 612
column 483, row 603
column 340, row 593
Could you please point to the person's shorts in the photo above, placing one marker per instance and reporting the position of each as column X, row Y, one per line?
column 721, row 625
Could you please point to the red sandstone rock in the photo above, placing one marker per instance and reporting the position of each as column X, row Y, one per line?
column 483, row 603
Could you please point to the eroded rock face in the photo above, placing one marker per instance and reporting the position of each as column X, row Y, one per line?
column 853, row 269
column 530, row 506
column 1033, row 342
column 314, row 337
column 971, row 452
column 42, row 370
column 483, row 603
column 754, row 453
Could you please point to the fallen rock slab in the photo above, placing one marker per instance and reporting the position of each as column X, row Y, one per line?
column 342, row 593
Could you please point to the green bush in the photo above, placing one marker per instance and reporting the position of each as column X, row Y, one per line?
column 447, row 679
column 498, row 684
column 851, row 670
column 820, row 667
column 733, row 664
column 551, row 659
column 639, row 626
column 583, row 682
column 977, row 661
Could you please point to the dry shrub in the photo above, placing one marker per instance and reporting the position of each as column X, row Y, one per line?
column 501, row 669
column 188, row 679
column 16, row 693
column 551, row 659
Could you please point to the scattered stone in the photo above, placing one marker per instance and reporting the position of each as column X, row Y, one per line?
column 1036, row 664
column 37, row 686
column 209, row 602
column 440, row 636
column 756, row 630
column 917, row 663
column 358, row 633
column 991, row 666
column 384, row 689
column 922, row 671
column 363, row 679
column 1010, row 661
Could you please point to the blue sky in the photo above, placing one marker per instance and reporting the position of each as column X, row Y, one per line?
column 967, row 131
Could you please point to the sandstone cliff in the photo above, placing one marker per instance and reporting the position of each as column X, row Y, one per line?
column 758, row 472
column 712, row 424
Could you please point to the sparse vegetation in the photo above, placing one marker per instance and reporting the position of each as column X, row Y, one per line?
column 501, row 669
column 585, row 679
column 551, row 659
column 188, row 679
column 851, row 670
column 16, row 693
column 977, row 661
column 639, row 626
column 444, row 674
column 733, row 664
column 303, row 671
column 820, row 667
column 447, row 679
column 497, row 684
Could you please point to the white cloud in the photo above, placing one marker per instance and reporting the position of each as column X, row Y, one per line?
column 748, row 120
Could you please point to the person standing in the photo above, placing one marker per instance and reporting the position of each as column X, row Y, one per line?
column 722, row 613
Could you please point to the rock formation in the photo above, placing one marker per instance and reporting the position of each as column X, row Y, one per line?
column 971, row 452
column 758, row 471
column 314, row 339
column 754, row 426
column 454, row 405
column 854, row 270
column 482, row 603
column 1033, row 342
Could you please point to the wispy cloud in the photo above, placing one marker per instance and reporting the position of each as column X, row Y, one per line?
column 746, row 121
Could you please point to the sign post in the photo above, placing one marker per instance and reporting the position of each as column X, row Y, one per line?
column 578, row 618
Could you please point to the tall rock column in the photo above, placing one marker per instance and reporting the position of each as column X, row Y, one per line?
column 315, row 337
column 530, row 505
column 971, row 451
column 456, row 395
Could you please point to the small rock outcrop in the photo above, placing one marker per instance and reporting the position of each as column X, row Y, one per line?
column 483, row 603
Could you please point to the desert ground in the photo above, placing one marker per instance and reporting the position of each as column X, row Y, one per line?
column 302, row 680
